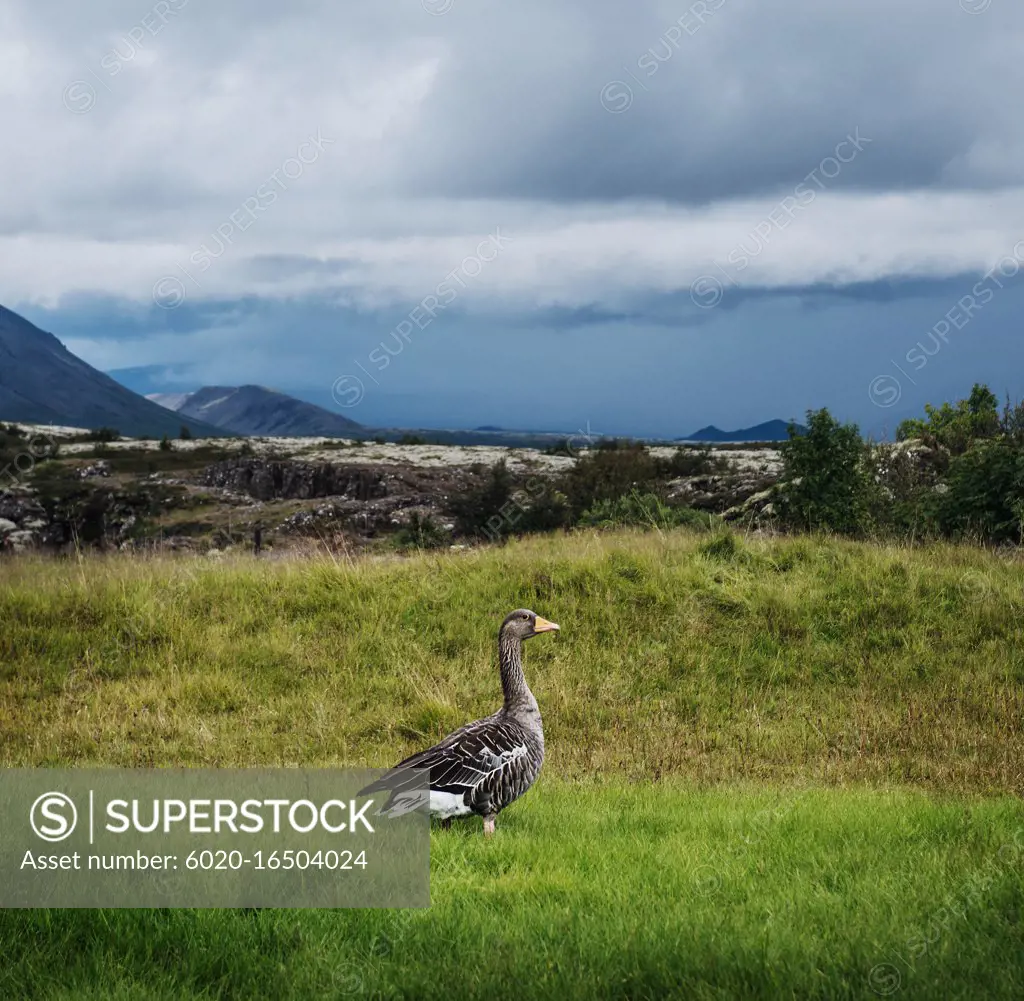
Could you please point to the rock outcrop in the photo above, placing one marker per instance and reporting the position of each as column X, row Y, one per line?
column 265, row 479
column 24, row 522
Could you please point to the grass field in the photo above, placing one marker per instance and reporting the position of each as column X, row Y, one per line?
column 776, row 768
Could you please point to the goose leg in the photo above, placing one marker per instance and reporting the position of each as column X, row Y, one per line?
column 446, row 824
column 488, row 826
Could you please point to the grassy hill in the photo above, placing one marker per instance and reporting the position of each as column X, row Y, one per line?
column 783, row 767
column 712, row 660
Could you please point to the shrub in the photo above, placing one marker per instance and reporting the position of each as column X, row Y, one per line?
column 608, row 473
column 826, row 482
column 563, row 447
column 185, row 433
column 644, row 510
column 165, row 444
column 1012, row 422
column 422, row 532
column 969, row 480
column 481, row 510
column 955, row 427
column 103, row 434
column 690, row 461
column 502, row 506
column 984, row 492
column 905, row 499
column 545, row 508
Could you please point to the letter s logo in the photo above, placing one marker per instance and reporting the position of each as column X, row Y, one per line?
column 53, row 816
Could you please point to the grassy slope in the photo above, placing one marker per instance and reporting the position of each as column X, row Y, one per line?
column 792, row 661
column 744, row 683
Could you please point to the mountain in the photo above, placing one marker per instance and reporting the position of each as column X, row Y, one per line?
column 172, row 401
column 255, row 410
column 768, row 431
column 41, row 382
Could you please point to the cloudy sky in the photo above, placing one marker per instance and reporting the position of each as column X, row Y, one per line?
column 640, row 216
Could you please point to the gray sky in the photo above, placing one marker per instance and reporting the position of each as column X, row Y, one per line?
column 647, row 216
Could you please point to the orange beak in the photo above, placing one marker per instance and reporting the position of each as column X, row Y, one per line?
column 543, row 626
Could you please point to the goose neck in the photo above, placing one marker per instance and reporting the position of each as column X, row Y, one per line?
column 513, row 681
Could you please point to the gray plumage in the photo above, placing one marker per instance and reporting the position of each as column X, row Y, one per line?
column 483, row 767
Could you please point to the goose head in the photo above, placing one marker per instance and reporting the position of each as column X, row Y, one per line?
column 522, row 623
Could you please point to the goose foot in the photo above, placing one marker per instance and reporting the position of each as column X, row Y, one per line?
column 488, row 826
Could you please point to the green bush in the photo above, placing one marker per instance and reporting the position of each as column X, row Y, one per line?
column 485, row 510
column 103, row 434
column 609, row 472
column 545, row 506
column 984, row 492
column 969, row 483
column 826, row 482
column 955, row 427
column 422, row 532
column 645, row 510
column 690, row 461
column 906, row 499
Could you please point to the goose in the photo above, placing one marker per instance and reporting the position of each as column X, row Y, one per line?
column 484, row 766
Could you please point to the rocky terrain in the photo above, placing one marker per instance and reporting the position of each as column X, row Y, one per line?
column 59, row 490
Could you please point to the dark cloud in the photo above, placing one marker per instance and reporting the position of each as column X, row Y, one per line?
column 750, row 102
column 627, row 150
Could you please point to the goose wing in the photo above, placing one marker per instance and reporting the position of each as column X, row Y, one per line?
column 456, row 766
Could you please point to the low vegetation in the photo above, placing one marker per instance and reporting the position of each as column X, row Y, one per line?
column 708, row 657
column 643, row 511
column 613, row 891
column 785, row 767
column 618, row 484
column 958, row 474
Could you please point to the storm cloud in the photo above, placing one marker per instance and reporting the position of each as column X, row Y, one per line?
column 261, row 192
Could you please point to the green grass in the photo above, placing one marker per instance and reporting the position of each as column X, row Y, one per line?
column 607, row 892
column 776, row 768
column 712, row 659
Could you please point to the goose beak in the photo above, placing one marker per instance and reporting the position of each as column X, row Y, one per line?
column 543, row 626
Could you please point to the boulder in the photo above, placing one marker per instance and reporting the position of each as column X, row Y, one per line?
column 757, row 507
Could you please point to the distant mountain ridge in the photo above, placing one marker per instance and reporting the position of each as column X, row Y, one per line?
column 768, row 431
column 256, row 410
column 41, row 382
